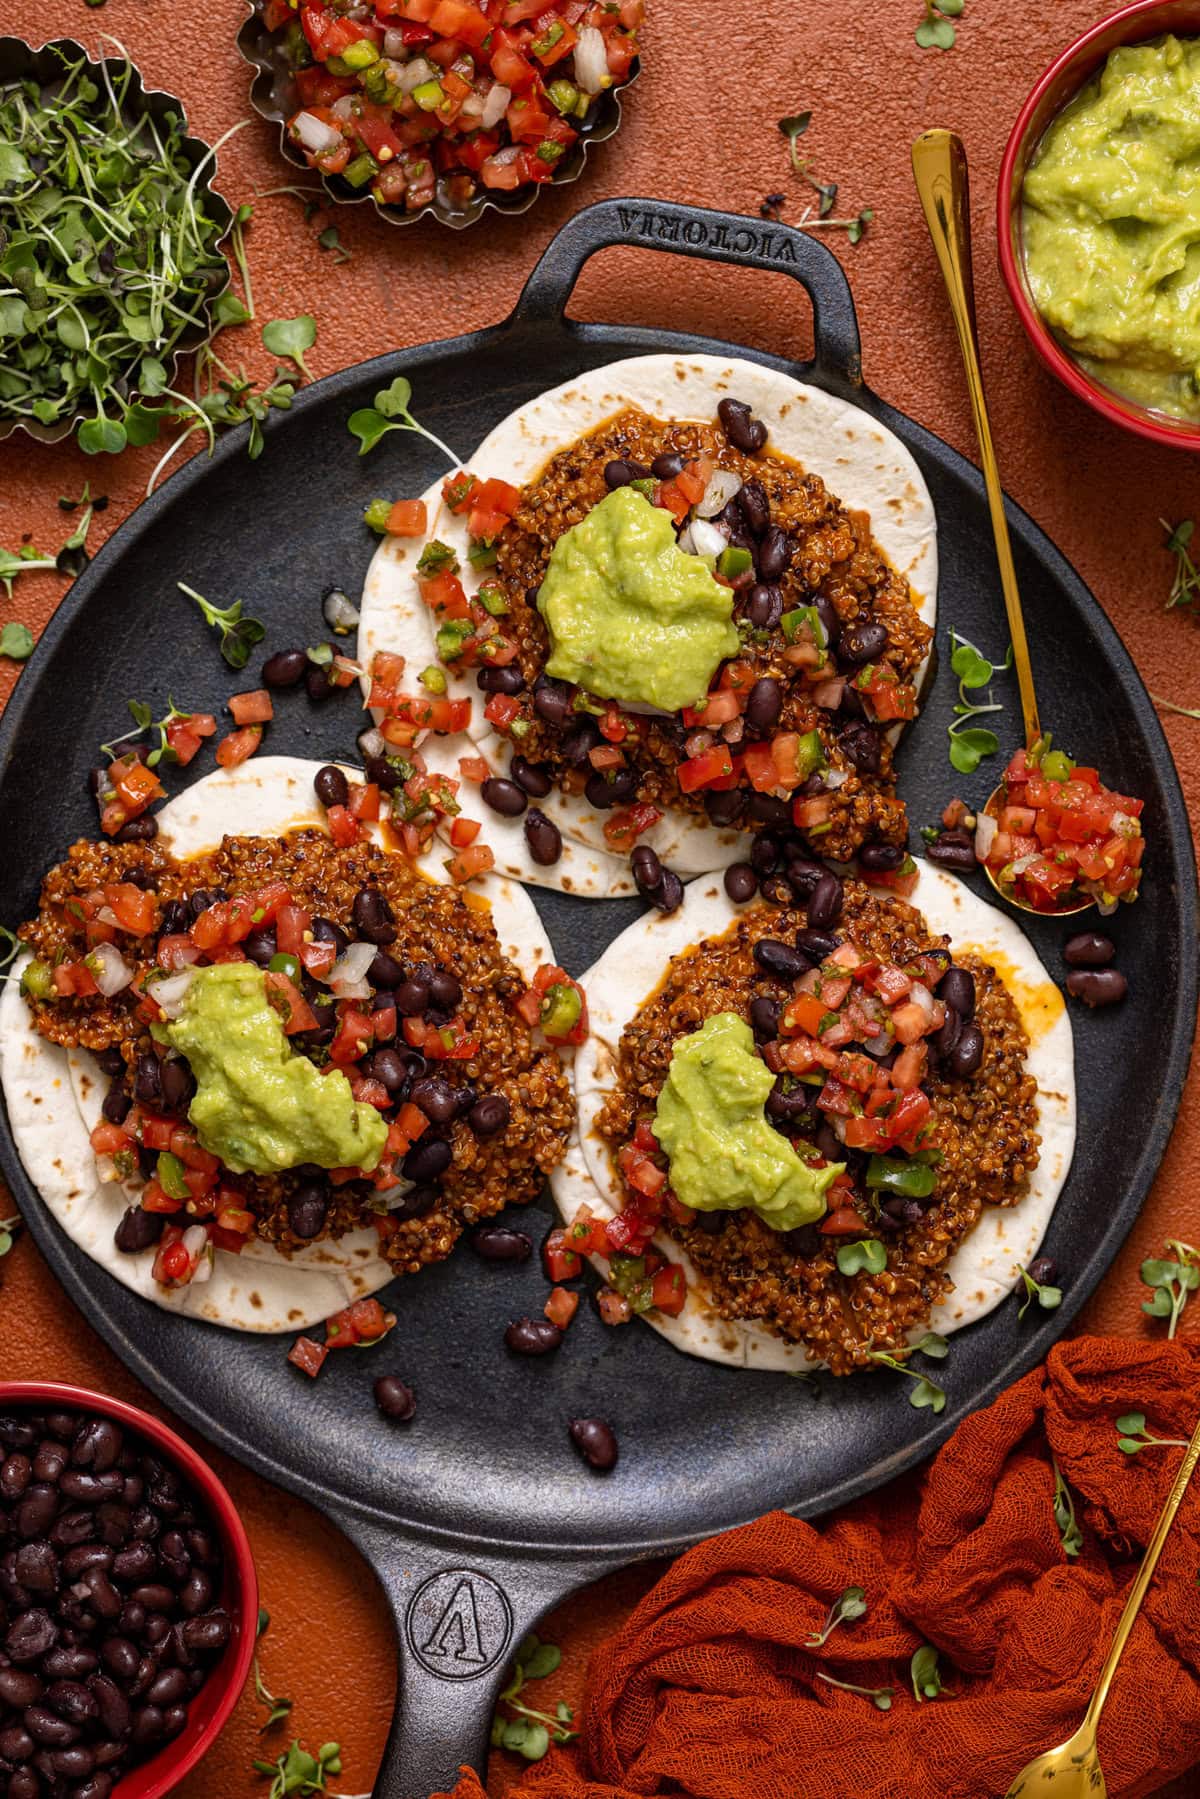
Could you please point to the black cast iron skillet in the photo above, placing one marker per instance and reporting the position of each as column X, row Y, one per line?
column 479, row 1516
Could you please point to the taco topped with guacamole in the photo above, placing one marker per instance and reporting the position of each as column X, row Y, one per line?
column 680, row 599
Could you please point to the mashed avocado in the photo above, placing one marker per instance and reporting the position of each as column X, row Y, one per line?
column 259, row 1105
column 1111, row 220
column 724, row 1152
column 631, row 616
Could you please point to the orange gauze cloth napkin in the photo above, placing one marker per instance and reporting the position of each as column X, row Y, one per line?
column 710, row 1689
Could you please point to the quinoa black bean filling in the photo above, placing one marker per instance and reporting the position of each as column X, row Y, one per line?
column 982, row 1128
column 489, row 1124
column 806, row 550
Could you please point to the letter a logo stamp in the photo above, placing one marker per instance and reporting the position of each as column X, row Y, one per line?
column 458, row 1624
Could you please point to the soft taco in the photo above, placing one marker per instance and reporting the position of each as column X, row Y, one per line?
column 676, row 598
column 257, row 1070
column 801, row 1147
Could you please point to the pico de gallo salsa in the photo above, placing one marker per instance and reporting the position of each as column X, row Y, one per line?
column 1058, row 837
column 412, row 99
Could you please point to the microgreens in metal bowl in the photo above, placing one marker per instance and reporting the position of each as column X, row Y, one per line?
column 110, row 241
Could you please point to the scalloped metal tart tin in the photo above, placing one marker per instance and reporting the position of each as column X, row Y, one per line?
column 20, row 61
column 273, row 97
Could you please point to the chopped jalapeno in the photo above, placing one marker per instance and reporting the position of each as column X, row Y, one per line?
column 282, row 963
column 734, row 562
column 793, row 623
column 377, row 514
column 433, row 679
column 38, row 980
column 360, row 55
column 360, row 171
column 561, row 1007
column 451, row 636
column 912, row 1180
column 810, row 756
column 172, row 1176
column 435, row 556
column 492, row 598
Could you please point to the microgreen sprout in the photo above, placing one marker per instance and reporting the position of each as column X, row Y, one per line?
column 925, row 1393
column 22, row 562
column 1048, row 1297
column 521, row 1727
column 794, row 128
column 1185, row 587
column 850, row 1605
column 238, row 635
column 144, row 720
column 969, row 744
column 8, row 1232
column 292, row 337
column 867, row 1253
column 1064, row 1515
column 1170, row 706
column 880, row 1697
column 924, row 1673
column 277, row 1709
column 298, row 1772
column 391, row 413
column 16, row 641
column 11, row 946
column 1133, row 1436
column 935, row 32
column 1172, row 1280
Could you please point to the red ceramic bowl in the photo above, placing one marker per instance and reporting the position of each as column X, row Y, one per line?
column 209, row 1711
column 1062, row 80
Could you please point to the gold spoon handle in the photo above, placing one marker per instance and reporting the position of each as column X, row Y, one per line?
column 940, row 169
column 1145, row 1574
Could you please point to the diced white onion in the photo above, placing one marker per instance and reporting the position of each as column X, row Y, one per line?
column 496, row 105
column 1106, row 908
column 839, row 1127
column 835, row 778
column 473, row 105
column 698, row 742
column 314, row 133
column 1024, row 862
column 372, row 743
column 194, row 1239
column 734, row 731
column 110, row 971
column 502, row 158
column 415, row 72
column 344, row 108
column 347, row 977
column 340, row 613
column 1122, row 825
column 723, row 485
column 170, row 994
column 591, row 60
column 921, row 996
column 395, row 1196
column 877, row 1046
column 828, row 694
column 985, row 835
column 106, row 1169
column 393, row 43
column 703, row 539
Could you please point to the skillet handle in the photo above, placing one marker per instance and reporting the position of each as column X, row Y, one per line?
column 715, row 237
column 459, row 1616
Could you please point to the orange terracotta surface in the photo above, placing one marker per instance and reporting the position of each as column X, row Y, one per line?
column 699, row 127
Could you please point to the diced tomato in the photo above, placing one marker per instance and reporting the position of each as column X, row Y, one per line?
column 251, row 708
column 444, row 593
column 135, row 784
column 668, row 1290
column 643, row 1175
column 239, row 746
column 343, row 826
column 842, row 1222
column 464, row 831
column 408, row 518
column 291, row 923
column 250, row 910
column 718, row 709
column 911, row 1022
column 354, row 1036
column 759, row 764
column 294, row 1010
column 909, row 1066
column 560, row 1261
column 561, row 1307
column 803, row 1014
column 623, row 827
column 135, row 910
column 109, row 1139
column 476, row 859
column 362, row 1323
column 702, row 770
column 586, row 1234
column 501, row 709
column 308, row 1355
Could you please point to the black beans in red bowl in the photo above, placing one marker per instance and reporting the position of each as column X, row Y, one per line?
column 128, row 1599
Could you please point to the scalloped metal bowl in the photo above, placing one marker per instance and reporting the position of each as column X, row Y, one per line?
column 19, row 61
column 273, row 97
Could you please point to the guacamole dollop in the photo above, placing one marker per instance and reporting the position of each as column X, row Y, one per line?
column 631, row 616
column 724, row 1152
column 258, row 1105
column 1111, row 221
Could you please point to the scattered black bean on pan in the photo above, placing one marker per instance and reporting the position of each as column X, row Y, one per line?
column 1043, row 1270
column 394, row 1399
column 596, row 1442
column 532, row 1336
column 948, row 852
column 284, row 669
column 1097, row 986
column 1088, row 949
column 498, row 1243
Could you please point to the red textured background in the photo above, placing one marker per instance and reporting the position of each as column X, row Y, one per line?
column 699, row 127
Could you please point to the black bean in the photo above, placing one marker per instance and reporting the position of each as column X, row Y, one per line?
column 111, row 1061
column 723, row 809
column 116, row 1103
column 90, row 1489
column 825, row 902
column 284, row 669
column 741, row 882
column 944, row 1039
column 831, row 624
column 426, row 1160
column 764, row 703
column 72, row 1701
column 802, row 874
column 331, row 786
column 744, row 431
column 16, row 1471
column 325, row 931
column 862, row 643
column 764, row 606
column 543, row 837
column 780, row 960
column 412, row 996
column 756, row 507
column 73, row 1527
column 531, row 778
column 16, row 1745
column 508, row 679
column 769, row 809
column 260, row 946
column 504, row 797
column 617, row 473
column 667, row 465
column 317, row 684
column 147, row 1726
column 580, row 741
column 35, row 1513
column 646, row 869
column 394, row 1399
column 138, row 1230
column 1097, row 986
column 596, row 1441
column 445, row 990
column 1043, row 1270
column 489, row 1115
column 966, row 1057
column 774, row 553
column 860, row 745
column 373, row 916
column 668, row 896
column 532, row 1336
column 138, row 830
column 386, row 772
column 307, row 1207
column 436, row 1098
column 19, row 1687
column 147, row 1081
column 36, row 1567
column 946, row 854
column 416, row 1202
column 177, row 1084
column 497, row 1243
column 878, row 858
column 764, row 853
column 46, row 1727
column 957, row 988
column 788, row 1100
column 764, row 1018
column 1088, row 949
column 552, row 700
column 30, row 1635
column 136, row 1564
column 611, row 788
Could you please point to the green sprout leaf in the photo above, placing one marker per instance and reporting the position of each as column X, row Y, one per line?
column 793, row 128
column 1171, row 1280
column 1132, row 1435
column 523, row 1728
column 16, row 642
column 391, row 412
column 239, row 634
column 924, row 1674
column 291, row 338
column 8, row 1226
column 851, row 1604
column 1064, row 1515
column 970, row 744
column 1049, row 1298
column 925, row 1394
column 1185, row 586
column 935, row 34
column 880, row 1697
column 868, row 1254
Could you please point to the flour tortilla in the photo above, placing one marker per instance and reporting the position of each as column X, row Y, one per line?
column 984, row 1266
column 867, row 467
column 54, row 1095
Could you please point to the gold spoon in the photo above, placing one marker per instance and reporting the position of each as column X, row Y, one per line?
column 940, row 169
column 1072, row 1770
